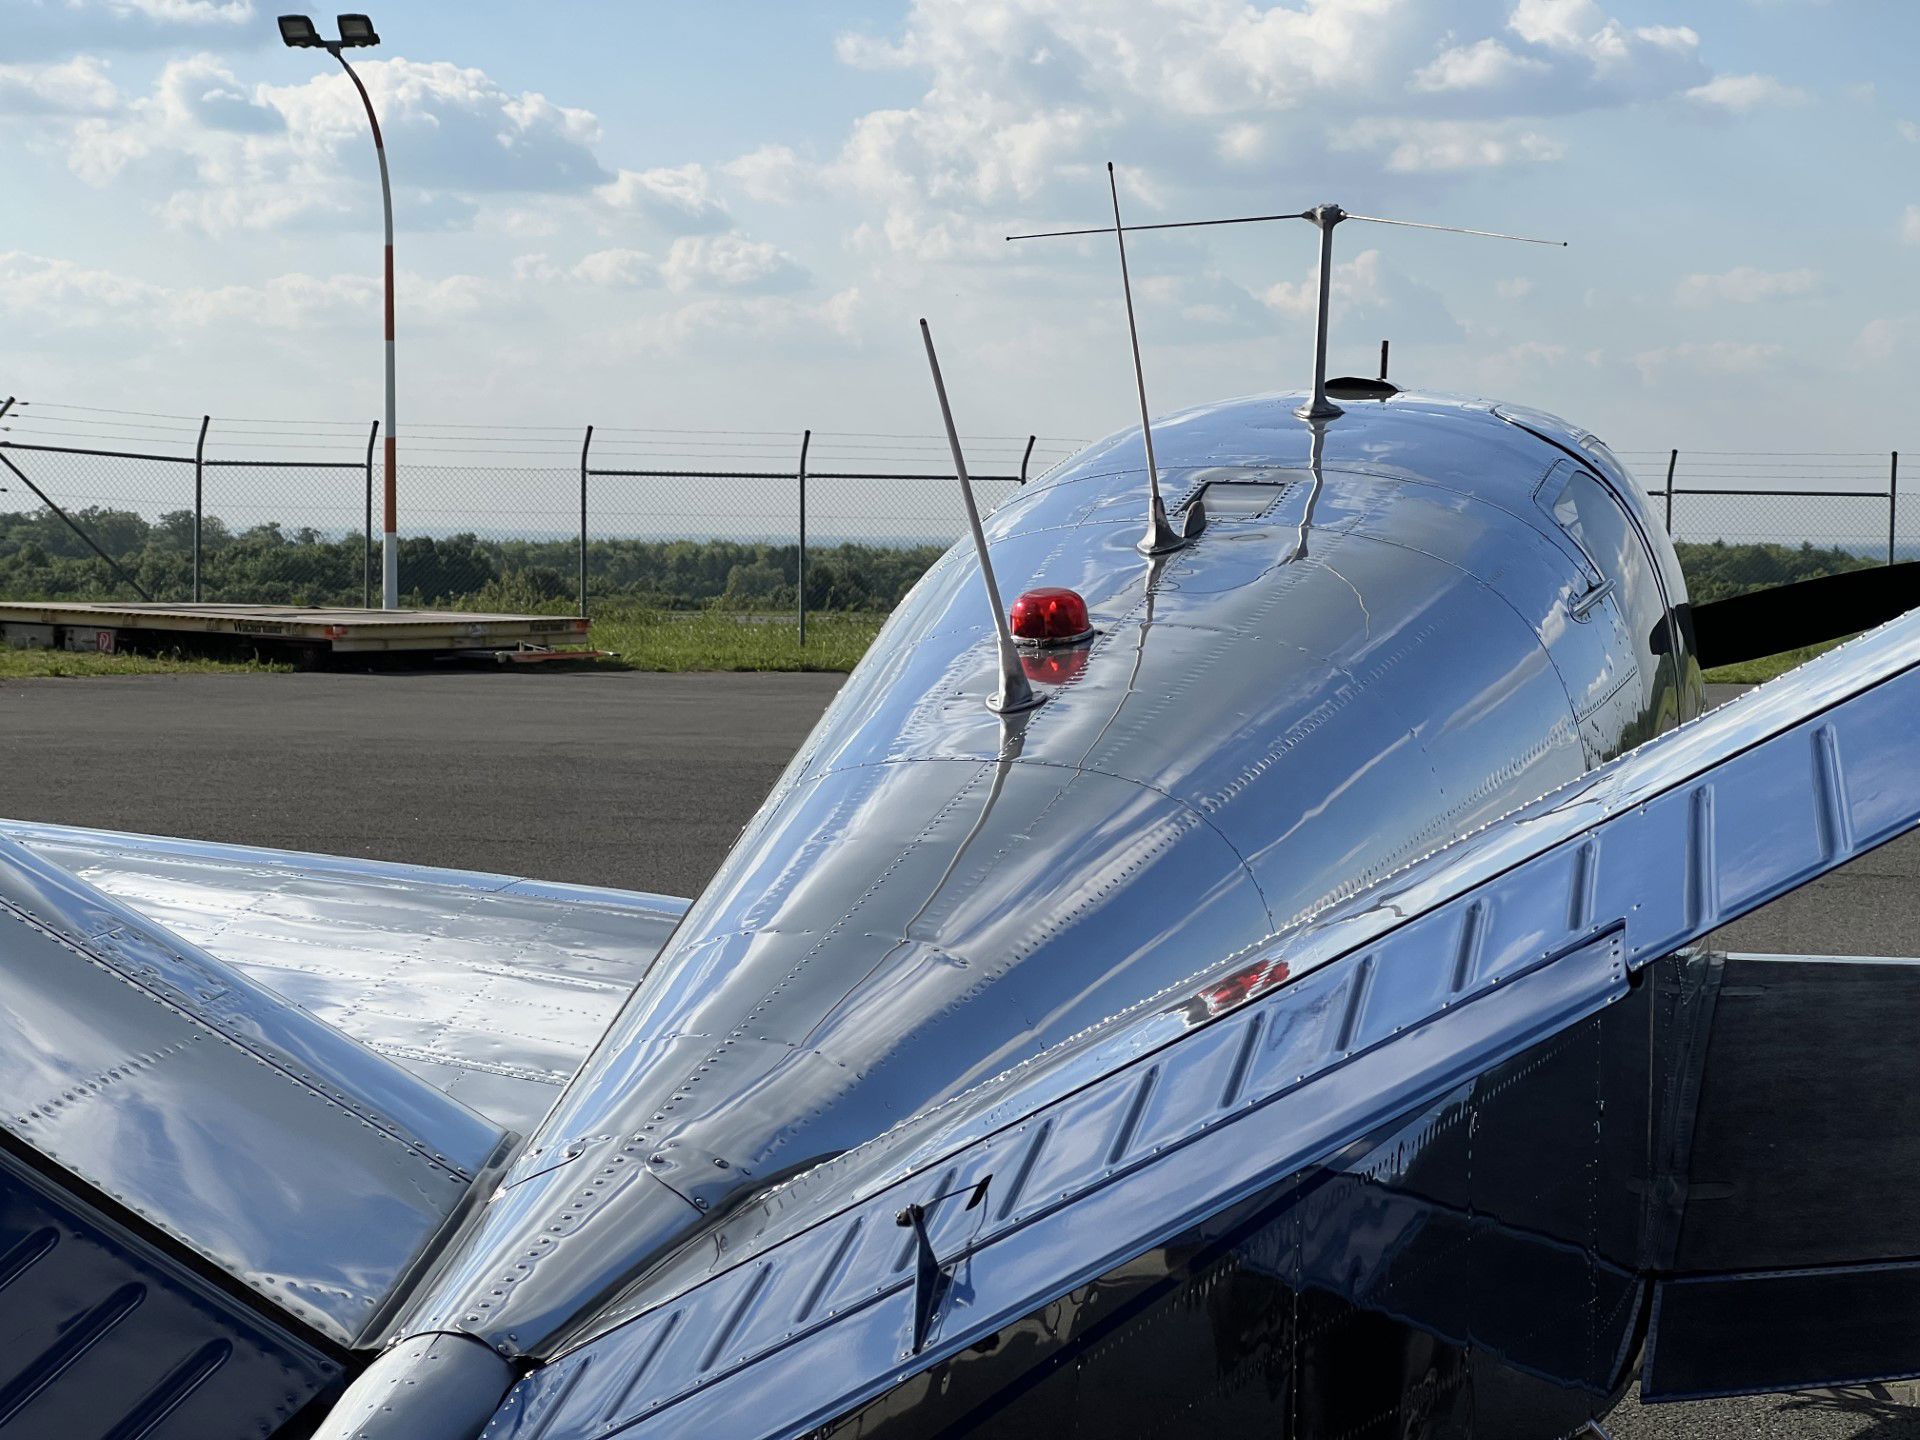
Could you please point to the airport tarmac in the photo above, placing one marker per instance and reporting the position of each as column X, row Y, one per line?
column 643, row 781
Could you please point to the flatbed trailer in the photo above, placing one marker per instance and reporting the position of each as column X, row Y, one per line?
column 116, row 626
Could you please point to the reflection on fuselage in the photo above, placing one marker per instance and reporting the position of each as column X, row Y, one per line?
column 1402, row 646
column 1457, row 1274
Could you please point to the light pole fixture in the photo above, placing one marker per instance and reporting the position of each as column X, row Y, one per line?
column 356, row 31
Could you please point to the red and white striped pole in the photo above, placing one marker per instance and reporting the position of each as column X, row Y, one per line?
column 390, row 536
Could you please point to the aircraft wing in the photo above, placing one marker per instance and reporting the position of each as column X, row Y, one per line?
column 490, row 988
column 1489, row 1095
column 241, row 1097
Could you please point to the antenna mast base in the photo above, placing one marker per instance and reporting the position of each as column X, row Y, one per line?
column 1162, row 539
column 1013, row 704
column 1319, row 409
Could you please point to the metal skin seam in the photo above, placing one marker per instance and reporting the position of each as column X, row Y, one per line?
column 1573, row 845
column 1072, row 975
column 1679, row 791
column 378, row 1123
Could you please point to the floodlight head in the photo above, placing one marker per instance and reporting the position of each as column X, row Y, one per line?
column 298, row 31
column 357, row 30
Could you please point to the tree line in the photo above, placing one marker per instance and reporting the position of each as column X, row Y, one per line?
column 41, row 558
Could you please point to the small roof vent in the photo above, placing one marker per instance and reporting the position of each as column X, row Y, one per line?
column 1360, row 387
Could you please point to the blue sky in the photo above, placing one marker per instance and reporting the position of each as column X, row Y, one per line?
column 730, row 215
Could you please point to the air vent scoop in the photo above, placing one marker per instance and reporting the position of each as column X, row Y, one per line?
column 1359, row 387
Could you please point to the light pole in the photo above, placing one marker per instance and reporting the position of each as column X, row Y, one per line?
column 357, row 31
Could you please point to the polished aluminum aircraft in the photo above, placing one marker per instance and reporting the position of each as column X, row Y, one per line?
column 1282, row 1024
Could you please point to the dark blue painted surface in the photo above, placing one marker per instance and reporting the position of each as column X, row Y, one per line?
column 1453, row 1274
column 102, row 1337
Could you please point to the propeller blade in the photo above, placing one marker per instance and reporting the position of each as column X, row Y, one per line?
column 1787, row 617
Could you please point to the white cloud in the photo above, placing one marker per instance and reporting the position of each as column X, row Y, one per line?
column 75, row 295
column 253, row 157
column 930, row 234
column 1713, row 357
column 537, row 267
column 66, row 296
column 708, row 321
column 1517, row 288
column 772, row 173
column 678, row 198
column 1909, row 131
column 59, row 27
column 1531, row 354
column 1910, row 225
column 458, row 128
column 181, row 12
column 1195, row 57
column 617, row 268
column 1485, row 65
column 1580, row 28
column 1355, row 282
column 1744, row 285
column 1023, row 99
column 729, row 262
column 1199, row 305
column 1417, row 146
column 1881, row 340
column 1245, row 142
column 1571, row 55
column 285, row 302
column 74, row 87
column 1739, row 94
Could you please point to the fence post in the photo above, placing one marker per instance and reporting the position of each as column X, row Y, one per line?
column 199, row 498
column 585, row 445
column 800, row 566
column 366, row 558
column 1026, row 457
column 1893, row 504
column 1673, row 459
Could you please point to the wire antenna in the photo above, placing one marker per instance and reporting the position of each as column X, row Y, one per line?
column 1324, row 218
column 1015, row 693
column 1160, row 537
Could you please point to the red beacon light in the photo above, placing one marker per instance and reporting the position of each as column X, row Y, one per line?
column 1051, row 616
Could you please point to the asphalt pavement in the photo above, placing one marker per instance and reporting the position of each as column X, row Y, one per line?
column 643, row 781
column 604, row 778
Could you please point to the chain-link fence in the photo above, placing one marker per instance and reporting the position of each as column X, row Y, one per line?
column 1747, row 520
column 668, row 519
column 174, row 508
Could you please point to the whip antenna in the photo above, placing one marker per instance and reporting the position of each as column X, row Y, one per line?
column 1014, row 692
column 1160, row 537
column 1324, row 217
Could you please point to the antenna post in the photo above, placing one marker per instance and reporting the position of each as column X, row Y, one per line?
column 1015, row 693
column 1325, row 217
column 1161, row 536
column 1320, row 407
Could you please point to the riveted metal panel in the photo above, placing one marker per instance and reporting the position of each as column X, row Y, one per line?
column 1265, row 723
column 492, row 989
column 305, row 1167
column 1570, row 893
